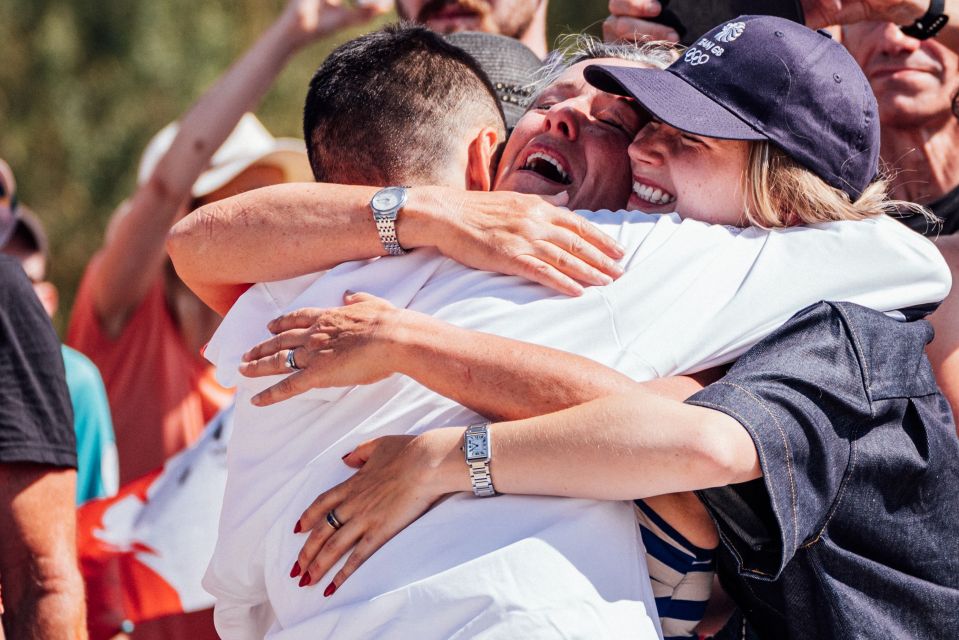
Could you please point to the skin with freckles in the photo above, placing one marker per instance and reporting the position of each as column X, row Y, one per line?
column 698, row 177
column 584, row 130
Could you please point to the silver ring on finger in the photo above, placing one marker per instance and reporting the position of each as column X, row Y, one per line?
column 291, row 360
column 332, row 520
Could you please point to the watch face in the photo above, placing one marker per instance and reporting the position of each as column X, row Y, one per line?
column 386, row 200
column 476, row 446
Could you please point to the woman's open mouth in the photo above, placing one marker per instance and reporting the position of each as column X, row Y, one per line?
column 548, row 166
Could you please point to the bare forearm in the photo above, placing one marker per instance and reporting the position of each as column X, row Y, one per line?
column 211, row 119
column 41, row 585
column 499, row 378
column 509, row 380
column 134, row 254
column 313, row 226
column 52, row 611
column 317, row 226
column 615, row 448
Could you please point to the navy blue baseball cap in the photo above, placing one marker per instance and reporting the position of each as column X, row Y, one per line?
column 766, row 78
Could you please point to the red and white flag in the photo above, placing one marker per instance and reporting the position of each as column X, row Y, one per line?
column 143, row 551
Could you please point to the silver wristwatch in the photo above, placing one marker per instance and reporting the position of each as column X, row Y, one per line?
column 386, row 204
column 479, row 452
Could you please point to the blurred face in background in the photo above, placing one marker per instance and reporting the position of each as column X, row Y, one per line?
column 914, row 80
column 505, row 17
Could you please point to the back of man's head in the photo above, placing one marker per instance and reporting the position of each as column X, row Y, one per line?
column 395, row 107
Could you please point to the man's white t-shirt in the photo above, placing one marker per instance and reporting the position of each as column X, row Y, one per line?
column 693, row 296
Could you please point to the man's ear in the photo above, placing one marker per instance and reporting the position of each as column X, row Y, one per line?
column 483, row 152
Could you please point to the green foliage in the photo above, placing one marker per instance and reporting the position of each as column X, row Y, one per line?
column 84, row 84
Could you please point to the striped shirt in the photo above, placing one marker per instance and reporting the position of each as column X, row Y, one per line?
column 681, row 574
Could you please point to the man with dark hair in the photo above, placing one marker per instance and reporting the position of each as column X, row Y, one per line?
column 411, row 108
column 384, row 96
column 41, row 586
column 401, row 84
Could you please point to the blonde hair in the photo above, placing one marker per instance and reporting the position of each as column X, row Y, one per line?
column 779, row 192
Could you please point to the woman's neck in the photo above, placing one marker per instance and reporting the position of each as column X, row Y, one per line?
column 924, row 160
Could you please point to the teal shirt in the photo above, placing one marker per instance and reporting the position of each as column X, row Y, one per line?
column 98, row 471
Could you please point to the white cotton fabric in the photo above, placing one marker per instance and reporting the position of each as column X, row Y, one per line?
column 694, row 295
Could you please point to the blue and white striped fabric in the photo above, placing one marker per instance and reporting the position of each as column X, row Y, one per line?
column 681, row 574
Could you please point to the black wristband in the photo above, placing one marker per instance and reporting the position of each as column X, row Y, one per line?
column 929, row 24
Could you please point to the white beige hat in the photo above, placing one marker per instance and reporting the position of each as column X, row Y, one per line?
column 249, row 144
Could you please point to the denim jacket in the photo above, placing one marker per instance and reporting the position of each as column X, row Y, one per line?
column 853, row 530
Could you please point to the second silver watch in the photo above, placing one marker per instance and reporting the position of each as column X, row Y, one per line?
column 479, row 452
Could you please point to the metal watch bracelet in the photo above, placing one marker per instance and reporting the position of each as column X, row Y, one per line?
column 477, row 446
column 386, row 228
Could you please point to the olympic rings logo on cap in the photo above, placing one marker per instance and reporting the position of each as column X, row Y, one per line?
column 696, row 57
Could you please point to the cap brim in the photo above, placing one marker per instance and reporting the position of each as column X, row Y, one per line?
column 288, row 155
column 673, row 100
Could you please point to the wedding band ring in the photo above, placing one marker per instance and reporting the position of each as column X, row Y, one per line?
column 332, row 521
column 290, row 361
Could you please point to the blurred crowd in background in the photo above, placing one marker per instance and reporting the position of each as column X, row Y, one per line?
column 88, row 92
column 105, row 76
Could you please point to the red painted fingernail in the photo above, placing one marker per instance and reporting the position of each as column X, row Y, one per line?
column 330, row 589
column 298, row 527
column 305, row 580
column 347, row 455
column 295, row 571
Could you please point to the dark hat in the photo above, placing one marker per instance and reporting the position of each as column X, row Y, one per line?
column 8, row 202
column 509, row 64
column 766, row 78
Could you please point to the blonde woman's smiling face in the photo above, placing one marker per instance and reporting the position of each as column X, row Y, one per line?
column 698, row 177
